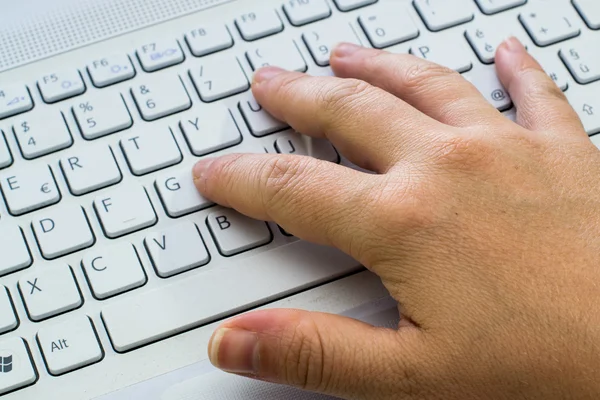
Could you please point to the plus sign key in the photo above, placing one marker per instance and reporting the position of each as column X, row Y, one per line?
column 70, row 345
column 550, row 25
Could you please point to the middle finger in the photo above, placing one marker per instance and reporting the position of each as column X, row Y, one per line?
column 371, row 127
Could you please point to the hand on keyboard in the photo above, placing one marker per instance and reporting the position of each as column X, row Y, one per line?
column 484, row 230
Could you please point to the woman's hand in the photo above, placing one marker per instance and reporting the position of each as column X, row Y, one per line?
column 486, row 232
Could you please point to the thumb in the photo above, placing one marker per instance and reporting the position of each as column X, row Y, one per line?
column 323, row 353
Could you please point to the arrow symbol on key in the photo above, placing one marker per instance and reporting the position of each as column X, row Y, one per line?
column 589, row 110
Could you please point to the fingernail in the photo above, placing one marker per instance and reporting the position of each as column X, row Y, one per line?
column 201, row 167
column 267, row 73
column 345, row 50
column 234, row 350
column 514, row 45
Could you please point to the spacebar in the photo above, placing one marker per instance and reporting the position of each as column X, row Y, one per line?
column 220, row 292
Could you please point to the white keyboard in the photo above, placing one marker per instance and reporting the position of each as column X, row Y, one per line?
column 105, row 245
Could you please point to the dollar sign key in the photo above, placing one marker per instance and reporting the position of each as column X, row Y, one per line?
column 25, row 127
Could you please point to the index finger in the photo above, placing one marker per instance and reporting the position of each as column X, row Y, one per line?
column 314, row 200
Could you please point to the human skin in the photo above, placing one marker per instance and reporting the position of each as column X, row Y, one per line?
column 485, row 231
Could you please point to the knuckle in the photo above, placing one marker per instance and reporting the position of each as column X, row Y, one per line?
column 344, row 95
column 423, row 74
column 279, row 177
column 400, row 206
column 415, row 206
column 541, row 86
column 471, row 154
column 304, row 358
column 222, row 173
column 286, row 85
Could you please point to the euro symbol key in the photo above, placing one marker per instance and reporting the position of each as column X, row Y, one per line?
column 45, row 188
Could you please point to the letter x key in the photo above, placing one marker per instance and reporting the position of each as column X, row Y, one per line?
column 34, row 286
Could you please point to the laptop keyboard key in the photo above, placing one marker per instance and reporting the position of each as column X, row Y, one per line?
column 160, row 96
column 254, row 25
column 208, row 38
column 302, row 12
column 496, row 6
column 235, row 233
column 113, row 270
column 29, row 189
column 589, row 11
column 583, row 61
column 585, row 102
column 487, row 82
column 70, row 345
column 61, row 85
column 549, row 25
column 17, row 366
column 8, row 318
column 5, row 156
column 176, row 249
column 11, row 237
column 321, row 42
column 296, row 143
column 259, row 121
column 62, row 230
column 160, row 54
column 49, row 291
column 387, row 25
column 291, row 143
column 179, row 194
column 100, row 114
column 456, row 56
column 124, row 210
column 348, row 5
column 89, row 169
column 150, row 149
column 41, row 133
column 219, row 76
column 111, row 69
column 157, row 314
column 485, row 39
column 14, row 99
column 443, row 14
column 323, row 150
column 554, row 68
column 211, row 128
column 281, row 53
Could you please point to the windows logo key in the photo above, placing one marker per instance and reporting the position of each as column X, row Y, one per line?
column 6, row 363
